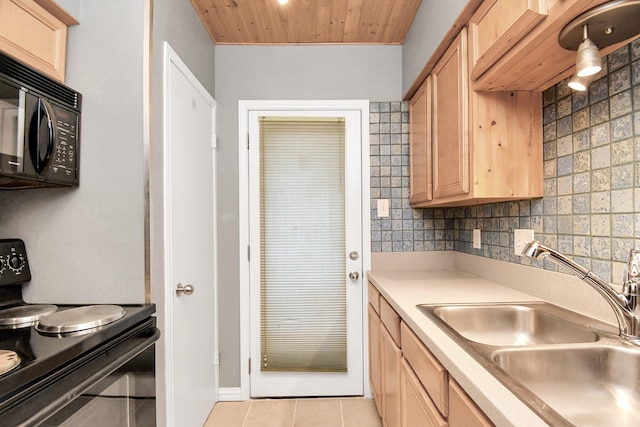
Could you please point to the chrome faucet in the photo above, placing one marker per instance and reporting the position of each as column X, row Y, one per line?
column 624, row 305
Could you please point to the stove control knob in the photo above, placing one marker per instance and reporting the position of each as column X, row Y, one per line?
column 16, row 262
column 3, row 265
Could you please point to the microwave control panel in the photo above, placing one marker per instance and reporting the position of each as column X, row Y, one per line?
column 63, row 166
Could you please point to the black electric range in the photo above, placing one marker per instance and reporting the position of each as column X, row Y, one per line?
column 49, row 360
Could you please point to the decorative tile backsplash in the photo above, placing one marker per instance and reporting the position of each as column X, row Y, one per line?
column 591, row 205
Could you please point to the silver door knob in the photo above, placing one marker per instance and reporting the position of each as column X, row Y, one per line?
column 354, row 275
column 186, row 289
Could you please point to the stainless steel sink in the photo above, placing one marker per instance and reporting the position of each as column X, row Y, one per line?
column 513, row 324
column 594, row 385
column 569, row 368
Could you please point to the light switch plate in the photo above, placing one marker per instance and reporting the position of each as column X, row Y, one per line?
column 383, row 208
column 520, row 238
column 477, row 239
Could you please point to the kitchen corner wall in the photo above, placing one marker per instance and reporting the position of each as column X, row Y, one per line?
column 591, row 205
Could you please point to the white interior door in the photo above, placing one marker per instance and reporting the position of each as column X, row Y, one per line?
column 292, row 380
column 190, row 333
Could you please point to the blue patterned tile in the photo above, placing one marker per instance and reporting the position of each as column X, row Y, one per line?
column 601, row 157
column 635, row 49
column 620, row 104
column 582, row 183
column 620, row 80
column 621, row 128
column 565, row 205
column 622, row 225
column 599, row 90
column 600, row 225
column 581, row 162
column 599, row 112
column 564, row 107
column 564, row 126
column 549, row 132
column 635, row 73
column 581, row 224
column 622, row 200
column 602, row 269
column 565, row 165
column 600, row 134
column 581, row 119
column 549, row 96
column 622, row 152
column 579, row 100
column 563, row 89
column 622, row 176
column 601, row 247
column 581, row 203
column 619, row 58
column 549, row 114
column 601, row 202
column 581, row 246
column 581, row 140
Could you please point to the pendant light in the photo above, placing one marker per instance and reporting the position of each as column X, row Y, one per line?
column 604, row 25
column 579, row 83
column 588, row 61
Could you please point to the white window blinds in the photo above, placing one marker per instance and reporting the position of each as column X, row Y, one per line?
column 303, row 271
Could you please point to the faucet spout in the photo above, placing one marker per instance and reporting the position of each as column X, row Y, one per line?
column 628, row 319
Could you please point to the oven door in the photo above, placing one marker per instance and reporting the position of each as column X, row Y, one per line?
column 125, row 398
column 59, row 397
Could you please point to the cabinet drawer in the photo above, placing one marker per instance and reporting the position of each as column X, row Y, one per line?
column 391, row 320
column 462, row 411
column 497, row 26
column 374, row 298
column 417, row 408
column 428, row 369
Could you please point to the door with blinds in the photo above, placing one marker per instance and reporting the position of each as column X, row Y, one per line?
column 305, row 253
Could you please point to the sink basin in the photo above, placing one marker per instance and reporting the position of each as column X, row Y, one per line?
column 512, row 324
column 596, row 385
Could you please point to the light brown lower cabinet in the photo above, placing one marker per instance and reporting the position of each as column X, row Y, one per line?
column 462, row 411
column 410, row 386
column 417, row 408
column 391, row 359
column 375, row 378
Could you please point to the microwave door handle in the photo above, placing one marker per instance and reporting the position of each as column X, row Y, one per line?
column 41, row 127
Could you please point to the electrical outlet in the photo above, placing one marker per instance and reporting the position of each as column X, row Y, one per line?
column 520, row 238
column 383, row 208
column 477, row 239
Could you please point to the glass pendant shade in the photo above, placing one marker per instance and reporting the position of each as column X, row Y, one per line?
column 588, row 61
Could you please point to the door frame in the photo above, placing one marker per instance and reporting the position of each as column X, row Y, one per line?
column 244, row 107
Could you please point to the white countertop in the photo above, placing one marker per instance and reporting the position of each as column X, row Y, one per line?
column 403, row 289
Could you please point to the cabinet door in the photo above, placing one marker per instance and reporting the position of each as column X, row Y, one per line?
column 451, row 121
column 375, row 378
column 417, row 408
column 33, row 35
column 497, row 26
column 463, row 412
column 421, row 186
column 391, row 357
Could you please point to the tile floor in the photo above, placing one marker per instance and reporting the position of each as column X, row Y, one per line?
column 318, row 412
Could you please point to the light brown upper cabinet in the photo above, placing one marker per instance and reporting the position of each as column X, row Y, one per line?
column 35, row 32
column 420, row 144
column 485, row 147
column 526, row 54
column 499, row 24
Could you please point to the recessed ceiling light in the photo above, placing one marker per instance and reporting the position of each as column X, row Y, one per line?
column 283, row 1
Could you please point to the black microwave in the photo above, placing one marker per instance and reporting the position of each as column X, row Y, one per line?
column 39, row 129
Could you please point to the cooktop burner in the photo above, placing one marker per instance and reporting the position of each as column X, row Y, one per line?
column 77, row 319
column 25, row 315
column 9, row 360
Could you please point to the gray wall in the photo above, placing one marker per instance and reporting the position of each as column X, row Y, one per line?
column 86, row 244
column 279, row 72
column 433, row 20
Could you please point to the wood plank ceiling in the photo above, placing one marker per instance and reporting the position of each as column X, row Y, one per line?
column 307, row 21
